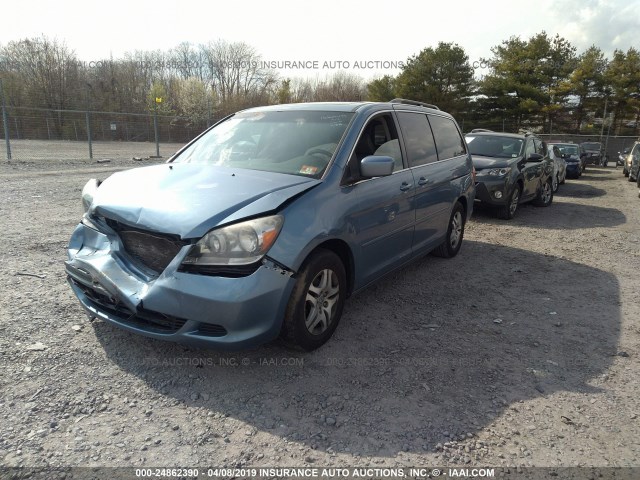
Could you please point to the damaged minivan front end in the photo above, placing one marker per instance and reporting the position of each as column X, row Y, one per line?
column 185, row 278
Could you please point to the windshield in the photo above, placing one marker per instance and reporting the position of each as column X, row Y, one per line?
column 564, row 149
column 293, row 142
column 494, row 146
column 591, row 146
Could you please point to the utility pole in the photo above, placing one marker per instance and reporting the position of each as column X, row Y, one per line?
column 88, row 119
column 5, row 121
column 604, row 116
column 155, row 124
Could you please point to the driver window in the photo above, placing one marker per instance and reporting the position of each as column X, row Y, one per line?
column 378, row 137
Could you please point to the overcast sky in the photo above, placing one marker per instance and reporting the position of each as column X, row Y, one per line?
column 322, row 31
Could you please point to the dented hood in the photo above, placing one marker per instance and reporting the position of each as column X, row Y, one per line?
column 189, row 200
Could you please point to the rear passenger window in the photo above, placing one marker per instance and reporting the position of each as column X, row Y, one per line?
column 418, row 139
column 448, row 139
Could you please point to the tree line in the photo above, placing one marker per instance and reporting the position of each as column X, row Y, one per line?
column 541, row 82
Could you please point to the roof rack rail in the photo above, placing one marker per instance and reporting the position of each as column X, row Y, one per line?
column 477, row 130
column 404, row 101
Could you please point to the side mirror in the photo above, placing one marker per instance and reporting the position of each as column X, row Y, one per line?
column 376, row 166
column 534, row 157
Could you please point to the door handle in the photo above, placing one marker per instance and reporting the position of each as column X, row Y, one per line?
column 422, row 181
column 405, row 186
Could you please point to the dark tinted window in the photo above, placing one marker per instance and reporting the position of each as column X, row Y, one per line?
column 418, row 138
column 448, row 140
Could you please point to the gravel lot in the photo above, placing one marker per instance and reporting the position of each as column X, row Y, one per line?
column 521, row 351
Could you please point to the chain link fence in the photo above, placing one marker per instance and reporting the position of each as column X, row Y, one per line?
column 41, row 134
column 37, row 133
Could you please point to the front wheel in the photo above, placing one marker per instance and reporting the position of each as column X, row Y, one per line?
column 316, row 302
column 453, row 241
column 545, row 195
column 508, row 211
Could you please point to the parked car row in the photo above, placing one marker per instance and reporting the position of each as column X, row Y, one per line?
column 264, row 224
column 516, row 168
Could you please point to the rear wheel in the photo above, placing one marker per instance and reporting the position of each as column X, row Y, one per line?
column 316, row 303
column 508, row 211
column 453, row 241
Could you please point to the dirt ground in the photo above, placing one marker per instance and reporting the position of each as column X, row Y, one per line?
column 521, row 351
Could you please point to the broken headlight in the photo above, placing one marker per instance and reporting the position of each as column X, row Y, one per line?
column 240, row 244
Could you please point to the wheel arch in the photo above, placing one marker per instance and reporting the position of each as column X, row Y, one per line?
column 343, row 251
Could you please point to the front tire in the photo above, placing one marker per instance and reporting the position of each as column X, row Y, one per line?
column 316, row 302
column 453, row 241
column 508, row 211
column 545, row 195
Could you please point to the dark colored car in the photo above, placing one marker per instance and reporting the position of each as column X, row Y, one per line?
column 263, row 225
column 511, row 169
column 593, row 153
column 570, row 152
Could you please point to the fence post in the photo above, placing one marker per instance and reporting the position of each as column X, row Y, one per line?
column 88, row 117
column 5, row 122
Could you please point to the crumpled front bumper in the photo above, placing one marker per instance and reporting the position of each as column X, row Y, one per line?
column 199, row 310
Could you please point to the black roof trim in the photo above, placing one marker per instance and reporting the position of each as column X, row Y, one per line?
column 404, row 101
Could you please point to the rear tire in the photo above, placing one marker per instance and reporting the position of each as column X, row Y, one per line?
column 316, row 302
column 453, row 241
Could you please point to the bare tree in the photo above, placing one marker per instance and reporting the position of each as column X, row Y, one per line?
column 236, row 71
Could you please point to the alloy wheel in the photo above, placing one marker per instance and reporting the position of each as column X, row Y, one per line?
column 321, row 301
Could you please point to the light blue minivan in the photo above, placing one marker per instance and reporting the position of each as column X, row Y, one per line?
column 263, row 225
